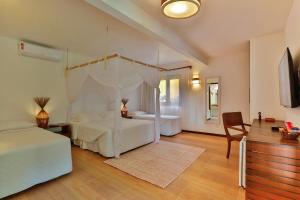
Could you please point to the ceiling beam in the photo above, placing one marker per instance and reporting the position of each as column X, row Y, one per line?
column 132, row 15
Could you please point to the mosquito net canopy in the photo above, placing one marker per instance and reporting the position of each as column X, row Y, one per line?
column 111, row 78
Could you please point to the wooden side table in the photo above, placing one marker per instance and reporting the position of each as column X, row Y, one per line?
column 61, row 128
column 128, row 117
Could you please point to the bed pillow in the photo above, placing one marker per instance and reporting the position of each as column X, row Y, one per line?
column 13, row 125
column 135, row 113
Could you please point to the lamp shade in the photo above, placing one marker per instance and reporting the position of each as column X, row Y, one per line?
column 124, row 110
column 180, row 9
column 42, row 118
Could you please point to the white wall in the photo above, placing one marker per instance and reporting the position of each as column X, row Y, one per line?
column 23, row 78
column 292, row 40
column 233, row 69
column 265, row 54
column 273, row 43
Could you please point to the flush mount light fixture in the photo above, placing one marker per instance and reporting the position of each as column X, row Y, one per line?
column 180, row 9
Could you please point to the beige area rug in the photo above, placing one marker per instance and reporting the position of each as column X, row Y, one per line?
column 159, row 164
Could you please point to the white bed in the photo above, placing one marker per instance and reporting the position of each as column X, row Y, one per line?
column 29, row 156
column 96, row 134
column 169, row 124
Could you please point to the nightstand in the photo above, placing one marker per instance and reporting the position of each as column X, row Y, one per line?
column 128, row 117
column 61, row 128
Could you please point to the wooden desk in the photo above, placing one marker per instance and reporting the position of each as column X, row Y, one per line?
column 272, row 165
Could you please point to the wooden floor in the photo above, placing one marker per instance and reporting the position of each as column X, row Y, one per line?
column 211, row 176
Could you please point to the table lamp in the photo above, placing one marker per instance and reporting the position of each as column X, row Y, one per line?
column 42, row 118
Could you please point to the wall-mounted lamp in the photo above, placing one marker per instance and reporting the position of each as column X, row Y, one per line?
column 196, row 79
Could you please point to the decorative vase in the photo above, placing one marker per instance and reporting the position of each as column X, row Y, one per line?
column 124, row 110
column 42, row 118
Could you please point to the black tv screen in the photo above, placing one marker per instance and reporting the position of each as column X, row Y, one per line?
column 288, row 81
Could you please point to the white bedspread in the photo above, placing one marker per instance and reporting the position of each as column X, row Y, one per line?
column 169, row 124
column 87, row 131
column 152, row 116
column 31, row 156
column 97, row 135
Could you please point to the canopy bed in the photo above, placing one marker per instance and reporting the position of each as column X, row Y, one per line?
column 97, row 134
column 96, row 87
column 111, row 77
column 30, row 155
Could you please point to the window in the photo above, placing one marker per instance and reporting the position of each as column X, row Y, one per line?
column 174, row 91
column 169, row 91
column 163, row 91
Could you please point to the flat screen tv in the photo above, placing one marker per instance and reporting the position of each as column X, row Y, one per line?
column 288, row 81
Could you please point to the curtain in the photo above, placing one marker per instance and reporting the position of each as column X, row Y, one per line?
column 175, row 107
column 157, row 115
column 147, row 94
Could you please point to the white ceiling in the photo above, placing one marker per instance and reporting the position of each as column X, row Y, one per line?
column 81, row 28
column 225, row 25
column 221, row 26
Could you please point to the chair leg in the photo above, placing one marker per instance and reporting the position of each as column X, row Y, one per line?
column 228, row 148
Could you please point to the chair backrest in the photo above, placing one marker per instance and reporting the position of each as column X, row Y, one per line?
column 232, row 119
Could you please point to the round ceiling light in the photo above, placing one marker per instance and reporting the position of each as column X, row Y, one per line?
column 180, row 9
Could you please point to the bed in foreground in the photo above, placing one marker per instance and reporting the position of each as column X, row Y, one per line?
column 97, row 134
column 29, row 156
column 169, row 124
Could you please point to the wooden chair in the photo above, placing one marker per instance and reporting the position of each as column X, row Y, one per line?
column 230, row 120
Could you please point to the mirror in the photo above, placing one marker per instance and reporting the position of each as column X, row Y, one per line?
column 213, row 99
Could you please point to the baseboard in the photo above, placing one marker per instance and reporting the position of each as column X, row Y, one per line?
column 204, row 133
